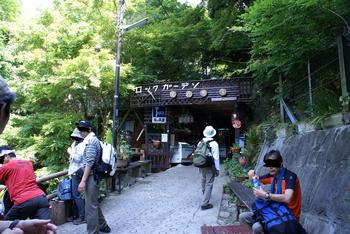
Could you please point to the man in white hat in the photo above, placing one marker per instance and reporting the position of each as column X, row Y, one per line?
column 209, row 173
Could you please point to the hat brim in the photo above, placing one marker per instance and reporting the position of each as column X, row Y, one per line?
column 209, row 135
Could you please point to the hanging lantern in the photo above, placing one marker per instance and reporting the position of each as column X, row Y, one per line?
column 236, row 123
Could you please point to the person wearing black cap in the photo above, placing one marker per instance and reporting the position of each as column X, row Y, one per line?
column 285, row 188
column 95, row 220
column 7, row 97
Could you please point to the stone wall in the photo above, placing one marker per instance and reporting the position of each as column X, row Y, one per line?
column 321, row 159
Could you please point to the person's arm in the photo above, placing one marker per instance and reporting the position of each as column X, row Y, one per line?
column 215, row 152
column 90, row 156
column 82, row 184
column 31, row 226
column 285, row 198
column 4, row 225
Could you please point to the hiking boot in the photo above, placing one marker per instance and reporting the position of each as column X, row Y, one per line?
column 207, row 206
column 105, row 229
column 79, row 221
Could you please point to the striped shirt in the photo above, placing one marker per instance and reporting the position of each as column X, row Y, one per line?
column 92, row 150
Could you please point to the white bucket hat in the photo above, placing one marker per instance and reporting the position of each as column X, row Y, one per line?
column 209, row 131
column 76, row 133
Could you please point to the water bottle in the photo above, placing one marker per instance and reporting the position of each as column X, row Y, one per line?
column 256, row 182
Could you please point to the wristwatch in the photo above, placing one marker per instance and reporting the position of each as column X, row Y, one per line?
column 13, row 224
column 268, row 196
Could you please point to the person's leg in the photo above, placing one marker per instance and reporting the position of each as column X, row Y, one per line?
column 247, row 218
column 15, row 213
column 202, row 171
column 258, row 228
column 210, row 176
column 91, row 206
column 42, row 208
column 79, row 202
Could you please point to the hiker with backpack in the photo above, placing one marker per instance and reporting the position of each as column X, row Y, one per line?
column 206, row 157
column 277, row 210
column 89, row 183
column 76, row 151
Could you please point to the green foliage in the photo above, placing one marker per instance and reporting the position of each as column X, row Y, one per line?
column 8, row 10
column 44, row 138
column 326, row 102
column 307, row 27
column 233, row 167
column 253, row 142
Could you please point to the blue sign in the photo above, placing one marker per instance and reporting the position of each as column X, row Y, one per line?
column 158, row 114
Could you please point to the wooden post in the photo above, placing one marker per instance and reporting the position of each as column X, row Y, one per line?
column 310, row 86
column 343, row 78
column 281, row 97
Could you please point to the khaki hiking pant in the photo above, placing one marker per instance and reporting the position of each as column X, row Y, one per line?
column 93, row 213
column 208, row 176
column 247, row 218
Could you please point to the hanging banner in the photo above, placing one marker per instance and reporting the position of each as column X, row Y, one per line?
column 158, row 114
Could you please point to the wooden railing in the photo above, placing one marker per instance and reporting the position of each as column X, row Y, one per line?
column 44, row 179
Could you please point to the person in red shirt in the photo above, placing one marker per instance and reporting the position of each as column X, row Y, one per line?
column 18, row 176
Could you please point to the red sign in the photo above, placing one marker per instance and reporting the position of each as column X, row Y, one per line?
column 236, row 123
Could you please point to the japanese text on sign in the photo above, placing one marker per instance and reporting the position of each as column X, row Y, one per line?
column 157, row 88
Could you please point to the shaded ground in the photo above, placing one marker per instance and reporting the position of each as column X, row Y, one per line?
column 166, row 202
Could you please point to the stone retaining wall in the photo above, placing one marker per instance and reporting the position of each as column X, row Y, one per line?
column 321, row 159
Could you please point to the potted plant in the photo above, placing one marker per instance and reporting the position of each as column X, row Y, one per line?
column 235, row 149
column 123, row 152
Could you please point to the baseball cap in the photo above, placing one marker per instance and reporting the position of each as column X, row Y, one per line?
column 6, row 94
column 83, row 124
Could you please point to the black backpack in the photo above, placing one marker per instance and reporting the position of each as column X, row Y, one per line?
column 202, row 156
column 276, row 218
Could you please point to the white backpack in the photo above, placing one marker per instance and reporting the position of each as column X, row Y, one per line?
column 109, row 157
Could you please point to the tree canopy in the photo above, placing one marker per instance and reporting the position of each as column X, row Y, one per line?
column 62, row 63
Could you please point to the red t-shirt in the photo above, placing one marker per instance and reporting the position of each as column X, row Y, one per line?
column 19, row 178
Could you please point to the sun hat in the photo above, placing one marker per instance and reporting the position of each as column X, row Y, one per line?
column 209, row 131
column 76, row 133
column 6, row 150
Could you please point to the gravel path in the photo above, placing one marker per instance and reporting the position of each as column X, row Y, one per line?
column 166, row 202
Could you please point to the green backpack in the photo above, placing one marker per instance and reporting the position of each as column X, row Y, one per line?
column 202, row 156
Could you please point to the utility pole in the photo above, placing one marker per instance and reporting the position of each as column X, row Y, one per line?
column 117, row 74
column 121, row 29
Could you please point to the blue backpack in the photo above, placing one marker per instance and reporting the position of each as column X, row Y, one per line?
column 276, row 218
column 64, row 191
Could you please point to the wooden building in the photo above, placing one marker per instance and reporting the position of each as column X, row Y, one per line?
column 174, row 113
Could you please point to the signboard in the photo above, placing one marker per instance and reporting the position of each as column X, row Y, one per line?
column 164, row 137
column 158, row 114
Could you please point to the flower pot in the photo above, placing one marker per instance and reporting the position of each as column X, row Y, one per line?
column 235, row 150
column 122, row 162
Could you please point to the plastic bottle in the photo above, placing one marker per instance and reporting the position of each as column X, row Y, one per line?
column 256, row 182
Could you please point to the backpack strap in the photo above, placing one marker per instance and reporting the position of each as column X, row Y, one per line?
column 209, row 147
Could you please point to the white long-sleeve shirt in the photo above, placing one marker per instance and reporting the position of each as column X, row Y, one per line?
column 76, row 157
column 214, row 150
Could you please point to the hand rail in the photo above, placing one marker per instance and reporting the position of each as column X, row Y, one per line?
column 50, row 177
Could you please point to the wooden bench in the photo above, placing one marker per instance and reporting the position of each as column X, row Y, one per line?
column 229, row 229
column 133, row 170
column 244, row 195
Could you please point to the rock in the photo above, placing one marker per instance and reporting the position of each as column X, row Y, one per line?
column 224, row 214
